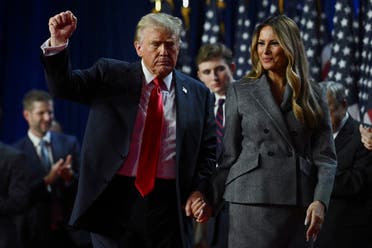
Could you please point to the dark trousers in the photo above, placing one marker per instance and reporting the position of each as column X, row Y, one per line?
column 149, row 222
column 219, row 228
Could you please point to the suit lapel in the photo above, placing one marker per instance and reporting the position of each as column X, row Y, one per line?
column 184, row 99
column 345, row 135
column 261, row 93
column 30, row 149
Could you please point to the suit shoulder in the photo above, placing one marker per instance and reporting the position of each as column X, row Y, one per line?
column 10, row 153
column 189, row 80
column 19, row 144
column 242, row 83
column 116, row 66
column 245, row 82
column 65, row 137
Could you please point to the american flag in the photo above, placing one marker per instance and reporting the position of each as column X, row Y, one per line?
column 212, row 32
column 365, row 80
column 345, row 55
column 313, row 31
column 266, row 8
column 184, row 62
column 244, row 29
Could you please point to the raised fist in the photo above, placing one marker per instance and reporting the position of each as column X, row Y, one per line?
column 61, row 27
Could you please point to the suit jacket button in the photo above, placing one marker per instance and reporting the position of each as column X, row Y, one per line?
column 270, row 153
column 123, row 157
column 266, row 130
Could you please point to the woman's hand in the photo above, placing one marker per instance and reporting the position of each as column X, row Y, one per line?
column 314, row 217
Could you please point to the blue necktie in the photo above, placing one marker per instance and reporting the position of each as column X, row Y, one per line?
column 44, row 155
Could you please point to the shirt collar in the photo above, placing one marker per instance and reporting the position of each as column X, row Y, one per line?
column 217, row 98
column 36, row 140
column 149, row 76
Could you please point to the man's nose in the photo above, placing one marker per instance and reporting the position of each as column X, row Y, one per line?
column 163, row 49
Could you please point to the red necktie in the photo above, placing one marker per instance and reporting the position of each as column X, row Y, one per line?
column 220, row 128
column 151, row 140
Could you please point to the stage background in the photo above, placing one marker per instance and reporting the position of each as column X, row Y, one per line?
column 104, row 29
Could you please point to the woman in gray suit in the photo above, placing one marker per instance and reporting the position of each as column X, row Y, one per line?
column 279, row 161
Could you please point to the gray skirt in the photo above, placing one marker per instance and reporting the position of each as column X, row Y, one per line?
column 267, row 226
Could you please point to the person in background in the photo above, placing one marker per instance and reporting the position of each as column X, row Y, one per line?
column 347, row 223
column 279, row 160
column 215, row 69
column 55, row 161
column 149, row 146
column 14, row 193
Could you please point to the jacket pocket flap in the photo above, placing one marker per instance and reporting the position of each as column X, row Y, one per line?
column 241, row 167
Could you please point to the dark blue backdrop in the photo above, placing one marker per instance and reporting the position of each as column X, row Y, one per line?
column 105, row 29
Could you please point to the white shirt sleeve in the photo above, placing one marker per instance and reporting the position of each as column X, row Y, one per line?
column 49, row 50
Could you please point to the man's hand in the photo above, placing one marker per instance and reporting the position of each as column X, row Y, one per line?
column 314, row 217
column 197, row 207
column 53, row 173
column 65, row 171
column 61, row 27
column 366, row 136
column 62, row 168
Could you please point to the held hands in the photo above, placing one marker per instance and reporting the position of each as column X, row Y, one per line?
column 197, row 207
column 366, row 136
column 315, row 218
column 62, row 168
column 61, row 27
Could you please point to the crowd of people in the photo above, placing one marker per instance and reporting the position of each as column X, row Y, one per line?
column 272, row 159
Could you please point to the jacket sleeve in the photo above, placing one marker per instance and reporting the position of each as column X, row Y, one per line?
column 324, row 155
column 232, row 144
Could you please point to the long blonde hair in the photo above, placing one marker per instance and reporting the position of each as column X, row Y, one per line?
column 304, row 103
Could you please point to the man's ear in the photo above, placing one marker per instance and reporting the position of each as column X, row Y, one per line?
column 26, row 115
column 198, row 73
column 232, row 67
column 344, row 104
column 138, row 47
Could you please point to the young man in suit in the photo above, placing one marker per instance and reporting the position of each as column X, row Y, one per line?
column 347, row 223
column 149, row 147
column 54, row 169
column 215, row 69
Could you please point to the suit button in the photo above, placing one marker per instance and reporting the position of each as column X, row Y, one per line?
column 266, row 130
column 123, row 157
column 270, row 153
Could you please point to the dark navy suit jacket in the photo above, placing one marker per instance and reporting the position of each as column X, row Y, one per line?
column 14, row 189
column 112, row 89
column 36, row 223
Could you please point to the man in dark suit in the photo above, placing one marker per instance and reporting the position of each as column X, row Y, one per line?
column 215, row 69
column 54, row 167
column 347, row 222
column 138, row 177
column 14, row 195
